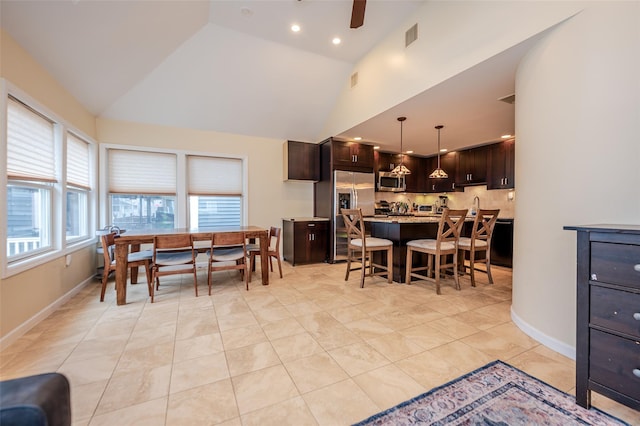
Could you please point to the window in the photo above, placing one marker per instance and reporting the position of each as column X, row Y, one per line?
column 169, row 189
column 31, row 176
column 215, row 191
column 78, row 187
column 142, row 189
column 48, row 169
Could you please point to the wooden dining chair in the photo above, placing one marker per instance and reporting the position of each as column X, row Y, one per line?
column 228, row 252
column 445, row 244
column 172, row 255
column 478, row 242
column 134, row 260
column 273, row 252
column 360, row 248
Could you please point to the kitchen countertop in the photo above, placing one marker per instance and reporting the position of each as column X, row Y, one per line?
column 433, row 218
column 306, row 219
column 404, row 219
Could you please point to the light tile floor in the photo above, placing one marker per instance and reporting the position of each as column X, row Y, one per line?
column 309, row 349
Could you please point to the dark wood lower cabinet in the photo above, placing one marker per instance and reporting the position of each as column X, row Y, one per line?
column 305, row 240
column 608, row 313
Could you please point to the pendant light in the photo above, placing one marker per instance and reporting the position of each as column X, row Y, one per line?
column 438, row 173
column 401, row 169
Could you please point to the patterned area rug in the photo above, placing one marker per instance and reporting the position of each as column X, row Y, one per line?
column 496, row 394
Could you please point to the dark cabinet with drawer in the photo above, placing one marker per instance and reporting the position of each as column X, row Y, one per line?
column 608, row 313
column 305, row 241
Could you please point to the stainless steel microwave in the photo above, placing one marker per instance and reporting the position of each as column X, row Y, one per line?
column 392, row 182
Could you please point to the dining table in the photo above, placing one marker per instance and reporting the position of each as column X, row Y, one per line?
column 130, row 240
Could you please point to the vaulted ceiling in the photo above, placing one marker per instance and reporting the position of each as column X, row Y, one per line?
column 235, row 66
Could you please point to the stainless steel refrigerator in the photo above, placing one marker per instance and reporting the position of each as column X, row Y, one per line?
column 351, row 190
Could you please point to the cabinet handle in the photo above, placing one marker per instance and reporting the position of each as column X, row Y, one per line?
column 433, row 187
column 356, row 158
column 506, row 181
column 636, row 372
column 636, row 316
column 311, row 224
column 636, row 267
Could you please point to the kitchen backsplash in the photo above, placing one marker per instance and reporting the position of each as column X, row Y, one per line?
column 494, row 199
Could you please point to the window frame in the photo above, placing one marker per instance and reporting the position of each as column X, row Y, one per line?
column 181, row 219
column 59, row 245
column 73, row 188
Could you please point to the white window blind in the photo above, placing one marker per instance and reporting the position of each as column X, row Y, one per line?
column 77, row 162
column 214, row 175
column 141, row 172
column 30, row 144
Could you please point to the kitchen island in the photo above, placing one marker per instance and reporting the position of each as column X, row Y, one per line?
column 404, row 228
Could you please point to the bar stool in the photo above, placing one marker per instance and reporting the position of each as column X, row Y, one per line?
column 480, row 241
column 360, row 247
column 445, row 243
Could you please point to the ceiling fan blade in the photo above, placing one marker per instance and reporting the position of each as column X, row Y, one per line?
column 357, row 13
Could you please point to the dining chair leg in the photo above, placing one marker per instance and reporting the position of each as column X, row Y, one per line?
column 105, row 278
column 270, row 264
column 151, row 285
column 195, row 280
column 279, row 265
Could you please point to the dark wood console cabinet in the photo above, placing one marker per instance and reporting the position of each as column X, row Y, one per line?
column 305, row 240
column 608, row 313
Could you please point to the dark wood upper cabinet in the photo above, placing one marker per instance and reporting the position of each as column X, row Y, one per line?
column 384, row 161
column 501, row 173
column 416, row 181
column 448, row 163
column 352, row 156
column 472, row 166
column 301, row 161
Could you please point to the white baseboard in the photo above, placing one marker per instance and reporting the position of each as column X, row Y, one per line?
column 23, row 328
column 548, row 341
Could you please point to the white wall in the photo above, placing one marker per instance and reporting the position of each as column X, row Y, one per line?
column 452, row 37
column 578, row 157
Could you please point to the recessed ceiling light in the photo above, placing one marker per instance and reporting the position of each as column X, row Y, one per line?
column 336, row 40
column 376, row 147
column 295, row 28
column 506, row 136
column 443, row 150
column 357, row 138
column 409, row 152
column 245, row 11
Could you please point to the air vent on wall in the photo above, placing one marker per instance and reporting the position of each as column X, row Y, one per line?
column 510, row 99
column 411, row 35
column 354, row 79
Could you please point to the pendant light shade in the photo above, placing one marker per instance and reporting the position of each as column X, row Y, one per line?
column 401, row 169
column 438, row 173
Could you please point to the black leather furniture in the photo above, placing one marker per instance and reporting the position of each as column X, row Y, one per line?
column 40, row 400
